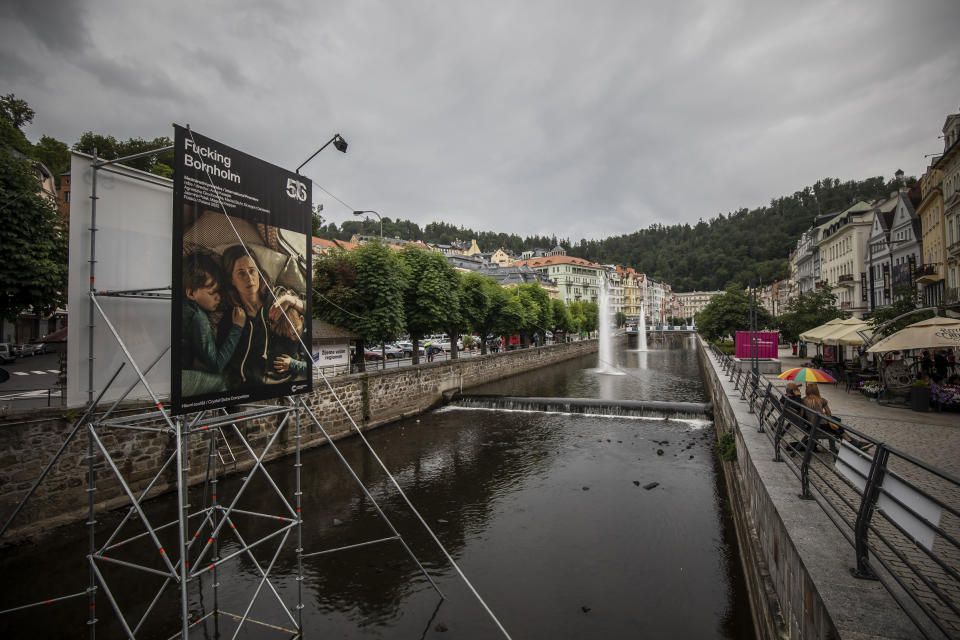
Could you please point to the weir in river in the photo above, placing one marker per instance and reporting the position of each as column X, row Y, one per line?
column 571, row 525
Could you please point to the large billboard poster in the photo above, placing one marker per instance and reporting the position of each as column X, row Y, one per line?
column 241, row 274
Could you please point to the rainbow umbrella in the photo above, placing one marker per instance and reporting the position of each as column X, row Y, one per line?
column 806, row 374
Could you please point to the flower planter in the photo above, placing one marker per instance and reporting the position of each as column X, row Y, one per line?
column 920, row 399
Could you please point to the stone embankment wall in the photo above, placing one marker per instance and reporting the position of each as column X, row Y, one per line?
column 29, row 441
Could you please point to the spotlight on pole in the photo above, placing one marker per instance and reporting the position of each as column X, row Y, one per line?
column 338, row 142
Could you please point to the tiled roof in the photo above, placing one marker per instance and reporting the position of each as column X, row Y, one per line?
column 326, row 331
column 551, row 260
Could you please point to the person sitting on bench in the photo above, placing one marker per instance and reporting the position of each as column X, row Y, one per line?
column 815, row 402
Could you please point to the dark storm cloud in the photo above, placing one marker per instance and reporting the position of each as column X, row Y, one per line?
column 56, row 23
column 529, row 118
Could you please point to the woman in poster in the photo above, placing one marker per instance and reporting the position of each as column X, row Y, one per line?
column 269, row 351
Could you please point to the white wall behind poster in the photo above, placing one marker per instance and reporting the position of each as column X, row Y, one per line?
column 134, row 223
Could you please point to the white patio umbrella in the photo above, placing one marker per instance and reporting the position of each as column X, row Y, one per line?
column 933, row 333
column 846, row 333
column 813, row 335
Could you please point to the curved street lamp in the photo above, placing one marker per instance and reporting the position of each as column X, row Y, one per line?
column 360, row 213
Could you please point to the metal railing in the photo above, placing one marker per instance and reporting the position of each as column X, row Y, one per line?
column 900, row 514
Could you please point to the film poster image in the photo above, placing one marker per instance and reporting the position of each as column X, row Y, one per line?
column 241, row 273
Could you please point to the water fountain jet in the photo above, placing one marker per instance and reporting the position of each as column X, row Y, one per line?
column 605, row 335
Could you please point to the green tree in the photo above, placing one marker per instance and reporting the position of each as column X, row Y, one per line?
column 591, row 317
column 335, row 297
column 361, row 291
column 428, row 297
column 562, row 322
column 578, row 319
column 475, row 304
column 110, row 148
column 544, row 309
column 55, row 155
column 33, row 239
column 905, row 300
column 317, row 221
column 808, row 310
column 456, row 321
column 380, row 284
column 489, row 320
column 728, row 313
column 14, row 115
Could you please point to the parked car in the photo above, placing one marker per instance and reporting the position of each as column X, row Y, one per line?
column 407, row 348
column 8, row 353
column 25, row 350
column 39, row 348
column 393, row 351
column 372, row 354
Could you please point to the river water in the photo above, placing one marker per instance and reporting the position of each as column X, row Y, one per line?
column 548, row 515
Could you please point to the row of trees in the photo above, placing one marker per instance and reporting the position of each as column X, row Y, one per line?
column 706, row 256
column 730, row 312
column 382, row 294
column 434, row 232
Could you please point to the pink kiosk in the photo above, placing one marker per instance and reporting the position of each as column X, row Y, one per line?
column 766, row 346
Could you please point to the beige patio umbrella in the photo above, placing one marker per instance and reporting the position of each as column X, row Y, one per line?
column 933, row 333
column 813, row 335
column 846, row 334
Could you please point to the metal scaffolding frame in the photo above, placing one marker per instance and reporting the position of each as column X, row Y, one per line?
column 197, row 533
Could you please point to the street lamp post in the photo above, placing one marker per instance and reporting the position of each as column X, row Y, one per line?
column 338, row 142
column 360, row 213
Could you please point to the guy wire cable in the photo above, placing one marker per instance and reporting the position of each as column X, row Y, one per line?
column 352, row 422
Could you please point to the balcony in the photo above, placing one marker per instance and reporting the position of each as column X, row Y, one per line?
column 846, row 304
column 846, row 280
column 821, row 284
column 928, row 274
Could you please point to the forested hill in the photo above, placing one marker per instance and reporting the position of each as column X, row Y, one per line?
column 743, row 246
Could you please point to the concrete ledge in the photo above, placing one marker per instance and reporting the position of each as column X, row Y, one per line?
column 797, row 562
column 765, row 365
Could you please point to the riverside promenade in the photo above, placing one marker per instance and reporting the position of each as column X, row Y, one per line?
column 796, row 560
column 933, row 437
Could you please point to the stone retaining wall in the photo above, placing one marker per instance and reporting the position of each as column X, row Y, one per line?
column 28, row 442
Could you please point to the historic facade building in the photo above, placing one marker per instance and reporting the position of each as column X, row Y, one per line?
column 842, row 257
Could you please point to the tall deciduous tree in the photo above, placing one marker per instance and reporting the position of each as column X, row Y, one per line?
column 475, row 304
column 808, row 310
column 33, row 240
column 561, row 320
column 544, row 310
column 110, row 148
column 361, row 291
column 380, row 284
column 488, row 320
column 728, row 313
column 55, row 155
column 429, row 296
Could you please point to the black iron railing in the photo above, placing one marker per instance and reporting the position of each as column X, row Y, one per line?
column 900, row 514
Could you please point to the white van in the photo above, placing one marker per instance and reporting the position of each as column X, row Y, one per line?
column 7, row 353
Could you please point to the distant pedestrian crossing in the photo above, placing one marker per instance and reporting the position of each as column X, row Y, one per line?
column 35, row 372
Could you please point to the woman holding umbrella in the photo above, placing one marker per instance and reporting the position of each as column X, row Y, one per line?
column 815, row 402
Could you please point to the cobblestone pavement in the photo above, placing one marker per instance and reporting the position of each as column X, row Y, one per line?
column 933, row 438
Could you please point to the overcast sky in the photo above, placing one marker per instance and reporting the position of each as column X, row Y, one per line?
column 570, row 118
